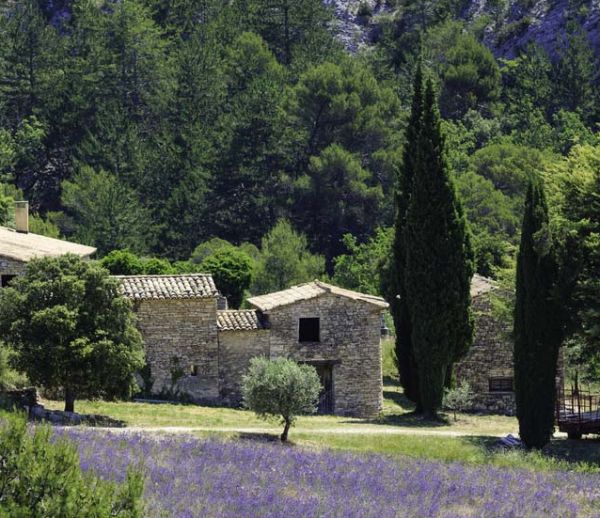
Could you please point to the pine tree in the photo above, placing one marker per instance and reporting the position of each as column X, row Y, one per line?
column 405, row 361
column 537, row 325
column 439, row 263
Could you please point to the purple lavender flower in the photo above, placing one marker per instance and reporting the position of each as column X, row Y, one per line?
column 188, row 477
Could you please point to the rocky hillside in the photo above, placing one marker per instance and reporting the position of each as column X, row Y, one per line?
column 507, row 25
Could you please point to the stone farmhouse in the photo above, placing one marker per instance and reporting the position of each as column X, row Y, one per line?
column 196, row 345
column 19, row 246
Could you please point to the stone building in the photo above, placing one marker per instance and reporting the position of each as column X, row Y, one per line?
column 488, row 366
column 19, row 246
column 196, row 348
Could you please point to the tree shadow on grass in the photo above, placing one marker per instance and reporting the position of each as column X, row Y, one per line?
column 259, row 437
column 410, row 420
column 397, row 396
column 586, row 450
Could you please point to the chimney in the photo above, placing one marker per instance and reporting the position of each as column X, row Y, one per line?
column 22, row 216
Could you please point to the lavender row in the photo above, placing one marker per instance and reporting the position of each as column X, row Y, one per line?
column 189, row 477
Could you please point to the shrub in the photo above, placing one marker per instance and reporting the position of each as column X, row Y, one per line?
column 42, row 477
column 122, row 262
column 281, row 388
column 231, row 269
column 458, row 399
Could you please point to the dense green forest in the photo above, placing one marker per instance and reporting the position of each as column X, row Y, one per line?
column 179, row 129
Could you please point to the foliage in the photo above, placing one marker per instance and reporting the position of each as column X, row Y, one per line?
column 471, row 78
column 573, row 186
column 281, row 388
column 285, row 260
column 232, row 271
column 9, row 378
column 458, row 399
column 396, row 269
column 71, row 329
column 41, row 476
column 123, row 262
column 111, row 216
column 439, row 263
column 538, row 324
column 360, row 268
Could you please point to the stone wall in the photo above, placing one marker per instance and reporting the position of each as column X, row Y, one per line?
column 11, row 267
column 236, row 349
column 185, row 330
column 490, row 357
column 349, row 340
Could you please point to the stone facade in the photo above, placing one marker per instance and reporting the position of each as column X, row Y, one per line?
column 180, row 338
column 10, row 266
column 236, row 349
column 488, row 366
column 211, row 349
column 349, row 345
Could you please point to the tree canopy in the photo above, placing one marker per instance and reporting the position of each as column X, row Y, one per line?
column 70, row 329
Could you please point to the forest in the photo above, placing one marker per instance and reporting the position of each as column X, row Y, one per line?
column 181, row 135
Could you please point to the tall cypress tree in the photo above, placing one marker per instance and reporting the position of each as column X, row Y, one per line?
column 405, row 360
column 439, row 263
column 537, row 325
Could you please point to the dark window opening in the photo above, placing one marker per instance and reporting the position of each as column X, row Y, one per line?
column 308, row 330
column 5, row 280
column 194, row 370
column 501, row 384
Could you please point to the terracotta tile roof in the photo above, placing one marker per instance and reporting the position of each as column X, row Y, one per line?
column 239, row 320
column 24, row 247
column 189, row 286
column 310, row 290
column 481, row 285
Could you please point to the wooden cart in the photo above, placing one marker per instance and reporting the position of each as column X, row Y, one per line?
column 577, row 413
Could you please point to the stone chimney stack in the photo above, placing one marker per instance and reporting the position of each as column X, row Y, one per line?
column 22, row 216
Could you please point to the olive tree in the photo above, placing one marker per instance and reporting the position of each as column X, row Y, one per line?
column 281, row 388
column 71, row 329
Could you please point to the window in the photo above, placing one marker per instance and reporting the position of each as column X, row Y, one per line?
column 5, row 280
column 194, row 370
column 501, row 384
column 308, row 330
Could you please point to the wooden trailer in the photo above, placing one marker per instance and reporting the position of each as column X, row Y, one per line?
column 577, row 413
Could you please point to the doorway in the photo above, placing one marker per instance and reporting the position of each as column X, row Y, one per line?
column 325, row 372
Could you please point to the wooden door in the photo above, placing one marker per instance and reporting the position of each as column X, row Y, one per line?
column 325, row 373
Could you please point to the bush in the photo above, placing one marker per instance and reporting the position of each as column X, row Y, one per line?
column 281, row 388
column 42, row 477
column 122, row 262
column 9, row 378
column 231, row 269
column 458, row 399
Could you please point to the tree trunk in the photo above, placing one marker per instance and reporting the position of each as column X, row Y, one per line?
column 286, row 429
column 69, row 400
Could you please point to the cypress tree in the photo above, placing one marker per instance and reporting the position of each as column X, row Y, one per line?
column 439, row 263
column 405, row 361
column 537, row 325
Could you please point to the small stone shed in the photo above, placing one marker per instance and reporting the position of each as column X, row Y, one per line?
column 187, row 331
column 488, row 366
column 19, row 246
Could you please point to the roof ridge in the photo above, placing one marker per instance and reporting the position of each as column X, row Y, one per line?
column 152, row 275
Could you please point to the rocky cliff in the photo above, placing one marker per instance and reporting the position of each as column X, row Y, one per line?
column 507, row 25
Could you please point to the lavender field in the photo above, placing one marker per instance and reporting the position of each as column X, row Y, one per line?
column 189, row 477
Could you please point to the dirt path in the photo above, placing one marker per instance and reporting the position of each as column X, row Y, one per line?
column 359, row 430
